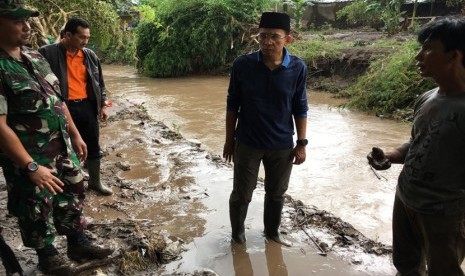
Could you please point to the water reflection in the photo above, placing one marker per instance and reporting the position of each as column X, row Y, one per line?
column 274, row 259
column 241, row 260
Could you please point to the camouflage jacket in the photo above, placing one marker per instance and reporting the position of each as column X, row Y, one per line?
column 30, row 97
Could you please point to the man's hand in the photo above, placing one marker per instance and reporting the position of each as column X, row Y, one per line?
column 104, row 114
column 44, row 179
column 80, row 148
column 378, row 160
column 228, row 151
column 298, row 155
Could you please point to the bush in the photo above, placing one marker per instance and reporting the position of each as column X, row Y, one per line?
column 211, row 34
column 356, row 14
column 122, row 49
column 312, row 50
column 391, row 84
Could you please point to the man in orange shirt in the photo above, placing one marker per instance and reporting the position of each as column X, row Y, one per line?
column 81, row 81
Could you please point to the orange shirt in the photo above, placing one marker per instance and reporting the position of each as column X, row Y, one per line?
column 77, row 76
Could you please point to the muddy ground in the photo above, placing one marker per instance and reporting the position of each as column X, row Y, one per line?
column 151, row 169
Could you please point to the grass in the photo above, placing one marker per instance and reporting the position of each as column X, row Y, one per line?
column 312, row 50
column 391, row 84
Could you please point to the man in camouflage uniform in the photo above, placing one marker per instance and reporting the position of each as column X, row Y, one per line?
column 37, row 137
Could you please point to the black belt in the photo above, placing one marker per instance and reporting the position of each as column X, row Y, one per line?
column 78, row 100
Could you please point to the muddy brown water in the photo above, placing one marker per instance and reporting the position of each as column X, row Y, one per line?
column 335, row 177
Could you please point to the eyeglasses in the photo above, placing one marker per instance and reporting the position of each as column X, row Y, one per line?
column 274, row 37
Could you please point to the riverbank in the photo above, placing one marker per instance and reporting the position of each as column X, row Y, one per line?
column 170, row 202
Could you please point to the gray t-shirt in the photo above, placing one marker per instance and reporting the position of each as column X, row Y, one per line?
column 433, row 178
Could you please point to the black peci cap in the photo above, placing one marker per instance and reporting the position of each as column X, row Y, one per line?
column 275, row 20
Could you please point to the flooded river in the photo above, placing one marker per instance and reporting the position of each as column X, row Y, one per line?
column 335, row 177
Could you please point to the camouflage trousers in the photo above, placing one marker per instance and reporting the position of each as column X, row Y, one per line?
column 39, row 212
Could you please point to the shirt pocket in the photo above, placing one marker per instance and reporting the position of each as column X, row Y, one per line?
column 25, row 97
column 53, row 81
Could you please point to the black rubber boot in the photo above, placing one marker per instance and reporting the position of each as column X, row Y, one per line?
column 272, row 220
column 52, row 263
column 237, row 215
column 81, row 249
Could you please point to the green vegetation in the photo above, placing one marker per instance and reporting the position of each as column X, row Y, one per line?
column 356, row 14
column 107, row 38
column 299, row 9
column 121, row 50
column 312, row 50
column 391, row 84
column 175, row 38
column 54, row 14
column 374, row 12
column 188, row 36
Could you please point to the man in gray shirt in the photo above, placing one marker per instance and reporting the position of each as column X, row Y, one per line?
column 428, row 217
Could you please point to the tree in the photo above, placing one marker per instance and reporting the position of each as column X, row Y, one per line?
column 457, row 3
column 187, row 36
column 54, row 14
column 387, row 10
column 390, row 13
column 356, row 14
column 122, row 5
column 299, row 8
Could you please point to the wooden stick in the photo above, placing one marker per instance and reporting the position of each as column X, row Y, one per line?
column 322, row 252
column 94, row 264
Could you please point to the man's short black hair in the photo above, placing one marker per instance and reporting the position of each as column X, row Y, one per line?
column 73, row 24
column 449, row 31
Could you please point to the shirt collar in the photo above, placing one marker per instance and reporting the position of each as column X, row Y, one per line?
column 286, row 59
column 5, row 55
column 79, row 54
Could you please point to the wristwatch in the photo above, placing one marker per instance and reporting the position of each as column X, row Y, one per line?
column 32, row 167
column 302, row 142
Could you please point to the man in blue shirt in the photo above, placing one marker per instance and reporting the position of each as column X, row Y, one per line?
column 266, row 96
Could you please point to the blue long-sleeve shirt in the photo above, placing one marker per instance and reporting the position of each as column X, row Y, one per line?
column 266, row 100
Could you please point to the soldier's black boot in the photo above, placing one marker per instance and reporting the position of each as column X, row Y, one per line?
column 272, row 220
column 81, row 249
column 50, row 262
column 237, row 214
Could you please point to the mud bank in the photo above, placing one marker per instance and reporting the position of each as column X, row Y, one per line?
column 339, row 73
column 166, row 205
